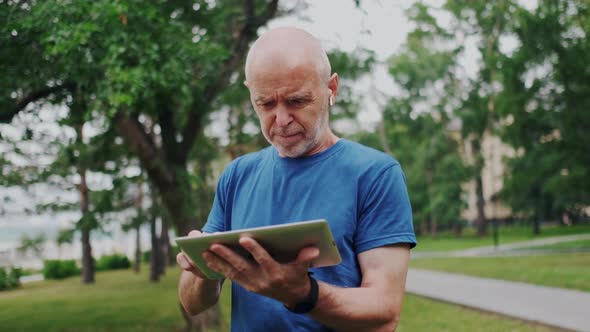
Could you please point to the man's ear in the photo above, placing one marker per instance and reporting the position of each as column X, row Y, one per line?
column 333, row 86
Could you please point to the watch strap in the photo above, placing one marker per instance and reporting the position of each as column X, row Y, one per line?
column 308, row 304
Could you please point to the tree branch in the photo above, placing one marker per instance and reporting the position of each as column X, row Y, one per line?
column 246, row 34
column 161, row 173
column 169, row 130
column 6, row 116
column 144, row 147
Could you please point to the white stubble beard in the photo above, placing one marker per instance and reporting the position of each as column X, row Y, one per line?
column 309, row 144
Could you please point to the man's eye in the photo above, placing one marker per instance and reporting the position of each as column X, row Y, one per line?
column 297, row 102
column 267, row 105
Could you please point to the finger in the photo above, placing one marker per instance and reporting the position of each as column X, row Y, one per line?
column 260, row 255
column 195, row 233
column 219, row 265
column 307, row 255
column 184, row 262
column 238, row 263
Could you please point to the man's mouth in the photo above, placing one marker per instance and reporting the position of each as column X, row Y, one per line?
column 288, row 138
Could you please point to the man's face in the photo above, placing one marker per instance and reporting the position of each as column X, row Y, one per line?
column 292, row 106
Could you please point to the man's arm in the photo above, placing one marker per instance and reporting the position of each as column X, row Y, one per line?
column 374, row 306
column 195, row 291
column 197, row 294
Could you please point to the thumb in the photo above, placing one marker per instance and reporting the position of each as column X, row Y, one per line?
column 306, row 255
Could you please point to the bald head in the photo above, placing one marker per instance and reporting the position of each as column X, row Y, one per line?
column 287, row 48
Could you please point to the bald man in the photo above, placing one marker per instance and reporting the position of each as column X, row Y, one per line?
column 307, row 173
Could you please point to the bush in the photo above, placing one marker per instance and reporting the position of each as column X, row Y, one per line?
column 60, row 269
column 113, row 262
column 146, row 256
column 10, row 279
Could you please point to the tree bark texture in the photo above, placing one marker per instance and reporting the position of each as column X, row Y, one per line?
column 87, row 260
column 138, row 208
column 480, row 221
column 155, row 260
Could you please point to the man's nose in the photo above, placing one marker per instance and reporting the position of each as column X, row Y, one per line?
column 283, row 117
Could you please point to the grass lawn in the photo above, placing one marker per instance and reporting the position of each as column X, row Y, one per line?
column 123, row 301
column 119, row 301
column 446, row 241
column 555, row 270
column 573, row 245
column 421, row 314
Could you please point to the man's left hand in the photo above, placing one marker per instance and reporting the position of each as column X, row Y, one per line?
column 287, row 283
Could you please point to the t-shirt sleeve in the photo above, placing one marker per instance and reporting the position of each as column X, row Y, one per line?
column 386, row 214
column 217, row 215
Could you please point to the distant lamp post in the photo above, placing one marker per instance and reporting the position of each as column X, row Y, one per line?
column 495, row 222
column 495, row 231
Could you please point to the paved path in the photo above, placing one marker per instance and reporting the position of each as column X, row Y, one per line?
column 507, row 249
column 31, row 278
column 562, row 308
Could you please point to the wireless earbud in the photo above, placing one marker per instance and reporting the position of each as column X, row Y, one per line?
column 331, row 101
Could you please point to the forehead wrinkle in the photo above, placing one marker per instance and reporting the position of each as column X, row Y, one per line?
column 262, row 98
column 300, row 94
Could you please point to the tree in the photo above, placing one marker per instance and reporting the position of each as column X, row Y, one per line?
column 34, row 244
column 64, row 236
column 416, row 124
column 546, row 99
column 121, row 62
column 487, row 23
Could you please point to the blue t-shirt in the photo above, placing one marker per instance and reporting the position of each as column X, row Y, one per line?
column 361, row 192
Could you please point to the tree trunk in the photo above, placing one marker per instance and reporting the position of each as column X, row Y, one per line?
column 87, row 260
column 170, row 177
column 433, row 228
column 137, row 263
column 138, row 207
column 537, row 226
column 155, row 260
column 162, row 250
column 167, row 251
column 433, row 216
column 424, row 227
column 539, row 216
column 480, row 221
column 458, row 229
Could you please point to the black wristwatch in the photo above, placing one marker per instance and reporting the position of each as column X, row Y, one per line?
column 308, row 304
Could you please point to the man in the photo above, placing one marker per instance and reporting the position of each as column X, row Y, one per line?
column 307, row 173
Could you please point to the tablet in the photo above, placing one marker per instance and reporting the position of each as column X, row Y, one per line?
column 283, row 242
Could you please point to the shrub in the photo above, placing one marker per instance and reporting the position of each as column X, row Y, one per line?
column 146, row 256
column 60, row 269
column 14, row 277
column 113, row 262
column 3, row 278
column 10, row 279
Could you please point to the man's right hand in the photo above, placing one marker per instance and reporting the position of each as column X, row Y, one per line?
column 185, row 262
